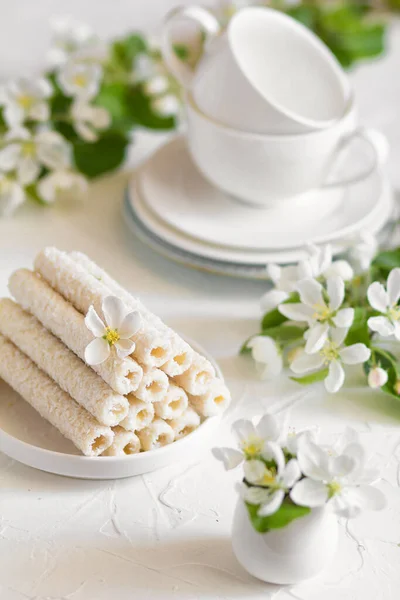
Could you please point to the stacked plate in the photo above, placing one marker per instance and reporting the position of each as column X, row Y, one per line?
column 170, row 206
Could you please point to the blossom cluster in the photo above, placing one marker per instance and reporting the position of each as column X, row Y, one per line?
column 47, row 122
column 284, row 469
column 324, row 314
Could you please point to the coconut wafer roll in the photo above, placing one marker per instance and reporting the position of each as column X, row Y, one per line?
column 140, row 414
column 61, row 364
column 214, row 402
column 174, row 403
column 181, row 358
column 185, row 424
column 154, row 385
column 125, row 442
column 156, row 435
column 51, row 402
column 83, row 290
column 66, row 323
column 198, row 377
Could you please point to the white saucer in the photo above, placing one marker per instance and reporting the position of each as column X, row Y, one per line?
column 179, row 195
column 235, row 256
column 29, row 439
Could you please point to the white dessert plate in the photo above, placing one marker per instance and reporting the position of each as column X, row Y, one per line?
column 195, row 247
column 28, row 438
column 175, row 191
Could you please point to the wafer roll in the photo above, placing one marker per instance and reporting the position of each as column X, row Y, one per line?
column 181, row 352
column 154, row 385
column 214, row 402
column 140, row 414
column 125, row 442
column 185, row 424
column 197, row 378
column 66, row 323
column 61, row 364
column 174, row 403
column 156, row 435
column 51, row 402
column 83, row 290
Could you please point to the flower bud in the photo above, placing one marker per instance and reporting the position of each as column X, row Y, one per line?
column 377, row 377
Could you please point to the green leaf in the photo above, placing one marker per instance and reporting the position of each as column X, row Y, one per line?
column 359, row 331
column 272, row 319
column 304, row 14
column 182, row 51
column 287, row 513
column 124, row 51
column 96, row 158
column 142, row 113
column 312, row 377
column 387, row 260
column 33, row 195
column 114, row 98
column 388, row 362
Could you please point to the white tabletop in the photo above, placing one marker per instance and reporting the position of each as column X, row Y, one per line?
column 166, row 535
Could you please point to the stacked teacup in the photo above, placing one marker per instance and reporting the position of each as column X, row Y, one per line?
column 269, row 108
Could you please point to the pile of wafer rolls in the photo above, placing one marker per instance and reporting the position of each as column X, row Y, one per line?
column 158, row 394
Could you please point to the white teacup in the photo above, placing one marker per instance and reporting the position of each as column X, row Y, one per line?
column 265, row 170
column 266, row 73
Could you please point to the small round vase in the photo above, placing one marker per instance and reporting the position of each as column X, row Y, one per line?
column 289, row 555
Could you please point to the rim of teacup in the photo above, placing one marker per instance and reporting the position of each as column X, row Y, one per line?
column 350, row 109
column 311, row 38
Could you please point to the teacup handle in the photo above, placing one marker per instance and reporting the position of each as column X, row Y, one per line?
column 380, row 147
column 209, row 25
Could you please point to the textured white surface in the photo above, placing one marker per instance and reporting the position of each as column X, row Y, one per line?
column 165, row 536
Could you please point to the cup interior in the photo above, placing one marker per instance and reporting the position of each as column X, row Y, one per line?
column 288, row 66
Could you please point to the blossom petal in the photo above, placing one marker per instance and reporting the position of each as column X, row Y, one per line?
column 307, row 362
column 297, row 312
column 316, row 338
column 377, row 377
column 344, row 317
column 393, row 286
column 244, row 429
column 94, row 323
column 9, row 157
column 310, row 292
column 28, row 170
column 309, row 492
column 341, row 268
column 272, row 299
column 272, row 504
column 230, row 457
column 335, row 378
column 291, row 473
column 114, row 311
column 313, row 461
column 268, row 428
column 378, row 297
column 340, row 466
column 335, row 289
column 338, row 335
column 381, row 325
column 263, row 348
column 124, row 348
column 256, row 495
column 130, row 325
column 368, row 497
column 97, row 352
column 273, row 451
column 274, row 272
column 355, row 354
column 254, row 471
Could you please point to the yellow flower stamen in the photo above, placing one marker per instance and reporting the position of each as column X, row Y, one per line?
column 252, row 447
column 322, row 312
column 269, row 478
column 334, row 488
column 111, row 336
column 25, row 101
column 80, row 80
column 330, row 352
column 394, row 313
column 28, row 149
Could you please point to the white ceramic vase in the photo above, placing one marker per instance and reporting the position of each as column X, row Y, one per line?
column 289, row 555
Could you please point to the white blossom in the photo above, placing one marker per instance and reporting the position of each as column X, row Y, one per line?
column 252, row 440
column 26, row 153
column 89, row 119
column 56, row 182
column 377, row 377
column 332, row 355
column 12, row 194
column 385, row 301
column 80, row 80
column 26, row 99
column 69, row 37
column 121, row 325
column 267, row 356
column 270, row 483
column 320, row 315
column 166, row 106
column 362, row 251
column 343, row 481
column 156, row 85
